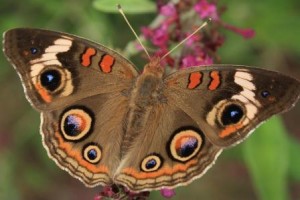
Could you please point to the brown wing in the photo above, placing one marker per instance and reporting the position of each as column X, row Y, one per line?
column 171, row 150
column 84, row 138
column 57, row 68
column 81, row 89
column 227, row 102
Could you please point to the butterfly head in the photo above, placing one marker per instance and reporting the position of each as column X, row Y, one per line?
column 154, row 67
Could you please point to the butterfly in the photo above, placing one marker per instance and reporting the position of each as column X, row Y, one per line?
column 105, row 123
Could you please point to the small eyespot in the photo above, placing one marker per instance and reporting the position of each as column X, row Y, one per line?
column 231, row 114
column 92, row 153
column 50, row 79
column 151, row 163
column 265, row 94
column 76, row 123
column 33, row 50
column 185, row 144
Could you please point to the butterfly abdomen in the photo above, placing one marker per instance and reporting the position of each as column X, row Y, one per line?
column 145, row 95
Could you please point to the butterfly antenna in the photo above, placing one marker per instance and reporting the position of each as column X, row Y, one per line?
column 188, row 37
column 137, row 37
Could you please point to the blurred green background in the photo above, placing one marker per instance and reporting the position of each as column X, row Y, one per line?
column 266, row 166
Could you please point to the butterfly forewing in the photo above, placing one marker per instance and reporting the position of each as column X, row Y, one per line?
column 58, row 68
column 229, row 101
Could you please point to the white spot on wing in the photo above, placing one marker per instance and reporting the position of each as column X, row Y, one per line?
column 57, row 48
column 65, row 42
column 244, row 75
column 244, row 83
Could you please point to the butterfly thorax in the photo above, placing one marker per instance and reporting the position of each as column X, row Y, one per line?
column 145, row 95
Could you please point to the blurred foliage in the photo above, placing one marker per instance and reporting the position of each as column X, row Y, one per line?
column 271, row 155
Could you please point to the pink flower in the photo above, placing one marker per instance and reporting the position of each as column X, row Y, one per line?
column 167, row 193
column 192, row 40
column 196, row 60
column 147, row 32
column 205, row 10
column 120, row 192
column 160, row 36
column 247, row 33
column 168, row 10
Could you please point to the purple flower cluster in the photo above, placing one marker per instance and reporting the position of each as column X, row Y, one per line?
column 120, row 192
column 180, row 20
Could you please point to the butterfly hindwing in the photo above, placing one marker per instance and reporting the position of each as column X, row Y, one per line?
column 169, row 151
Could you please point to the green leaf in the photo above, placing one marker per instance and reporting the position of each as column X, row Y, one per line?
column 266, row 155
column 294, row 149
column 129, row 6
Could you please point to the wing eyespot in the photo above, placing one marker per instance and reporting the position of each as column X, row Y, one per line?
column 151, row 163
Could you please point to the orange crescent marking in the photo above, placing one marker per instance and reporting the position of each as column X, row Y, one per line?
column 72, row 152
column 163, row 171
column 195, row 80
column 215, row 82
column 106, row 63
column 44, row 93
column 230, row 129
column 87, row 57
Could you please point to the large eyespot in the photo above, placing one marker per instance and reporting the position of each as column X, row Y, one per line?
column 231, row 114
column 50, row 79
column 185, row 144
column 92, row 153
column 151, row 163
column 76, row 123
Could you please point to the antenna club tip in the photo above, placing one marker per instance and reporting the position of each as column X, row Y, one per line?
column 119, row 6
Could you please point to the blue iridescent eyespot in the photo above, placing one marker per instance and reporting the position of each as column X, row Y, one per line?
column 232, row 114
column 92, row 153
column 151, row 163
column 187, row 146
column 33, row 50
column 50, row 79
column 265, row 93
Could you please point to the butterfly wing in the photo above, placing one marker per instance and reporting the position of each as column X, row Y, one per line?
column 171, row 150
column 84, row 138
column 202, row 110
column 78, row 86
column 57, row 68
column 228, row 102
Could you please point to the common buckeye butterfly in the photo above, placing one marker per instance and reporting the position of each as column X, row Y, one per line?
column 104, row 122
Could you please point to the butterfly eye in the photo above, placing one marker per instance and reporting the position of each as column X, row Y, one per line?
column 50, row 79
column 33, row 50
column 76, row 124
column 92, row 153
column 231, row 114
column 185, row 144
column 265, row 93
column 151, row 163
